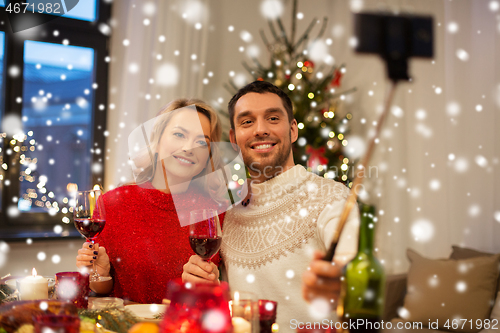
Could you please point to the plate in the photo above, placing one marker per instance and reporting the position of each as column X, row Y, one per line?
column 147, row 312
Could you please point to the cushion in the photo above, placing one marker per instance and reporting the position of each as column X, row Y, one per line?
column 441, row 290
column 466, row 253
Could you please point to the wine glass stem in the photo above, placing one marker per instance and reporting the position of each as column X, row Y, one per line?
column 94, row 276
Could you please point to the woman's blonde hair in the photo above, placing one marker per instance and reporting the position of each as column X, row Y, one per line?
column 215, row 186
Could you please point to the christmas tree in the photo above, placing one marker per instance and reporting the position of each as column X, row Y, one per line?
column 315, row 92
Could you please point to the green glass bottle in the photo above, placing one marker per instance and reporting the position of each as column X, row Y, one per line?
column 364, row 280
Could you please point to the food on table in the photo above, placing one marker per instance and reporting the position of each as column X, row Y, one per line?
column 144, row 328
column 15, row 314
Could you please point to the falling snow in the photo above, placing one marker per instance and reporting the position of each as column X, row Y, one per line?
column 41, row 256
column 318, row 50
column 356, row 147
column 461, row 286
column 462, row 55
column 319, row 308
column 461, row 165
column 422, row 230
column 474, row 210
column 167, row 75
column 250, row 278
column 452, row 27
column 453, row 109
column 271, row 9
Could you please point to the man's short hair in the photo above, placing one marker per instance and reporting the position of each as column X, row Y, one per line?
column 260, row 87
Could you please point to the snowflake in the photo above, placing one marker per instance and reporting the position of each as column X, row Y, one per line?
column 56, row 258
column 356, row 147
column 253, row 51
column 474, row 210
column 104, row 29
column 422, row 230
column 246, row 36
column 461, row 165
column 404, row 313
column 250, row 278
column 497, row 216
column 494, row 6
column 319, row 308
column 44, row 306
column 435, row 184
column 194, row 11
column 462, row 55
column 318, row 50
column 452, row 27
column 433, row 281
column 41, row 256
column 12, row 124
column 461, row 286
column 167, row 75
column 14, row 71
column 453, row 109
column 149, row 8
column 481, row 161
column 397, row 111
column 271, row 9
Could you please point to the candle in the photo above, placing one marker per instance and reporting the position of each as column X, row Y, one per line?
column 241, row 325
column 34, row 287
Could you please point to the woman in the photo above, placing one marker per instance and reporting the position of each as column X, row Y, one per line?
column 143, row 245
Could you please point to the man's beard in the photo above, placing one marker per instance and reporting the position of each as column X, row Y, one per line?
column 270, row 164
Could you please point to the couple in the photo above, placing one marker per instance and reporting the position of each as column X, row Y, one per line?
column 272, row 242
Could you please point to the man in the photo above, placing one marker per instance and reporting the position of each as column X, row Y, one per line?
column 282, row 229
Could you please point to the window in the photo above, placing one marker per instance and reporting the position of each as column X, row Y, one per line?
column 54, row 87
column 81, row 10
column 57, row 115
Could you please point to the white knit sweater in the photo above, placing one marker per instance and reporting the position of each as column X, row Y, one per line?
column 267, row 245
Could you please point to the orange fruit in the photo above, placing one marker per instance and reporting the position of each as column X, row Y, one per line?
column 144, row 328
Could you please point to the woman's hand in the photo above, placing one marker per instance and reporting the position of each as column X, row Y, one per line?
column 89, row 254
column 199, row 271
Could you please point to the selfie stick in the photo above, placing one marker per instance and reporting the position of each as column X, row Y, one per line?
column 353, row 194
column 395, row 38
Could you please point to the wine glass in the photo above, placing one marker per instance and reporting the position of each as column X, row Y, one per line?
column 90, row 218
column 205, row 234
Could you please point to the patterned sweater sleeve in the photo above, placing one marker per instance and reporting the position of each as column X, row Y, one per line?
column 327, row 224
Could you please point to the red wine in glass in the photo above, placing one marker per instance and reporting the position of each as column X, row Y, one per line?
column 90, row 218
column 89, row 228
column 205, row 234
column 205, row 247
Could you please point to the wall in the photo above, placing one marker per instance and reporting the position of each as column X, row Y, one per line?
column 23, row 257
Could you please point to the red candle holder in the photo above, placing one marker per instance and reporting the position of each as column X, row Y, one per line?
column 73, row 287
column 57, row 323
column 267, row 315
column 197, row 308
